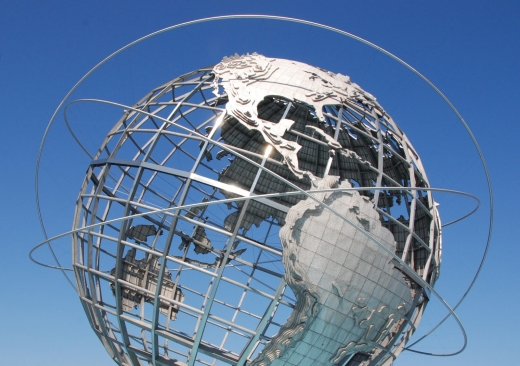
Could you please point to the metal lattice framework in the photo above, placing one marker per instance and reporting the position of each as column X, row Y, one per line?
column 176, row 251
column 129, row 272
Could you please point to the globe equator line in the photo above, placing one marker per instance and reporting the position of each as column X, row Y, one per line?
column 199, row 204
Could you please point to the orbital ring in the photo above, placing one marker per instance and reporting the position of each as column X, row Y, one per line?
column 222, row 146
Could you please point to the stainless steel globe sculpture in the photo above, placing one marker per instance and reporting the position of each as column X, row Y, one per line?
column 256, row 212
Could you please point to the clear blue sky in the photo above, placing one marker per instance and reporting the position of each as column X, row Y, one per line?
column 469, row 49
